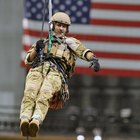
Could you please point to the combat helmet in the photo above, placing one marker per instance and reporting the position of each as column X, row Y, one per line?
column 61, row 17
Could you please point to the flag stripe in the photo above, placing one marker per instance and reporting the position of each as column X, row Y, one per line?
column 117, row 47
column 117, row 55
column 97, row 46
column 109, row 22
column 26, row 47
column 105, row 30
column 111, row 72
column 111, row 55
column 96, row 29
column 91, row 29
column 117, row 15
column 105, row 38
column 112, row 6
column 117, row 1
column 115, row 64
column 88, row 37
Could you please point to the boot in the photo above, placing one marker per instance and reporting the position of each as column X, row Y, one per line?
column 34, row 128
column 24, row 127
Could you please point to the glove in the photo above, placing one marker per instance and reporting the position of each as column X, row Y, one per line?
column 94, row 64
column 39, row 45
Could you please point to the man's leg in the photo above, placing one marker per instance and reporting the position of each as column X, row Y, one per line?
column 52, row 84
column 33, row 83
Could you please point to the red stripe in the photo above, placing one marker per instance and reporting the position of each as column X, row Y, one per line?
column 114, row 55
column 108, row 72
column 25, row 66
column 26, row 47
column 87, row 37
column 34, row 33
column 109, row 22
column 120, row 55
column 112, row 6
column 105, row 38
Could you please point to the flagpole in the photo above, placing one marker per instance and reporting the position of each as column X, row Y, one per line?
column 50, row 29
column 50, row 10
column 43, row 18
column 50, row 25
column 41, row 36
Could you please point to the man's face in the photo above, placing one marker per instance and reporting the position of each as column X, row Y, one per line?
column 60, row 29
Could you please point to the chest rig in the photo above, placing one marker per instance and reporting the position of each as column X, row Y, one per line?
column 60, row 52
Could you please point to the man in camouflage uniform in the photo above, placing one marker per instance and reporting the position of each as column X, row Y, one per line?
column 46, row 82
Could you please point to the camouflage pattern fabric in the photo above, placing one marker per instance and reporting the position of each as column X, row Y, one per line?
column 39, row 89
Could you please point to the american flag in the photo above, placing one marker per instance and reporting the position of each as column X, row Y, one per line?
column 111, row 28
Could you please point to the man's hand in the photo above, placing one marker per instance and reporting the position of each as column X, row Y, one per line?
column 39, row 45
column 94, row 64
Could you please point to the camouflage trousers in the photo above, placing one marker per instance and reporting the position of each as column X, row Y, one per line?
column 41, row 84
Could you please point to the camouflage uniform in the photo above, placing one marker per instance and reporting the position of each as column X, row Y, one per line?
column 45, row 80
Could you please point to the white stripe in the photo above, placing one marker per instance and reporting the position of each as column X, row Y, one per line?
column 114, row 64
column 23, row 54
column 96, row 30
column 28, row 40
column 35, row 25
column 97, row 46
column 118, row 15
column 107, row 63
column 120, row 64
column 106, row 30
column 118, row 1
column 113, row 47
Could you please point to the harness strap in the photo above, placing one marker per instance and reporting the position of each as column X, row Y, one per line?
column 64, row 77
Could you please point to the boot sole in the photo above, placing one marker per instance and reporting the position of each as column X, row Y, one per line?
column 25, row 129
column 33, row 129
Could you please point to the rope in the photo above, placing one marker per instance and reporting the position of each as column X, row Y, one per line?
column 42, row 28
